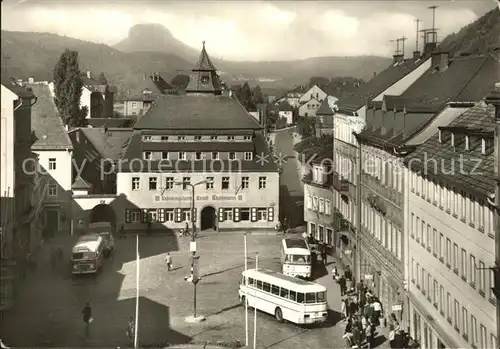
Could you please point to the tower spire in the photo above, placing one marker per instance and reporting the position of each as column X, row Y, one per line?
column 204, row 78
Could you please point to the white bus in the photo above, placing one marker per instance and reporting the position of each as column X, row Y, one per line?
column 105, row 230
column 87, row 254
column 285, row 297
column 296, row 257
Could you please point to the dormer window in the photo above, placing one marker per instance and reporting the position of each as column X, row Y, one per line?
column 181, row 138
column 440, row 135
column 213, row 138
column 230, row 138
column 204, row 80
column 164, row 138
column 146, row 138
column 483, row 146
column 467, row 143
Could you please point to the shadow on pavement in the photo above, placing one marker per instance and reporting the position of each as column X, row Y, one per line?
column 319, row 270
column 304, row 330
column 222, row 271
column 237, row 305
column 378, row 340
column 291, row 207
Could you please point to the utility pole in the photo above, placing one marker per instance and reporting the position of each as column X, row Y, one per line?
column 417, row 34
column 434, row 32
column 255, row 309
column 246, row 296
column 136, row 332
column 402, row 40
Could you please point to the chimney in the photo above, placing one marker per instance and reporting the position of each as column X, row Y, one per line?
column 89, row 75
column 429, row 48
column 416, row 55
column 398, row 58
column 439, row 61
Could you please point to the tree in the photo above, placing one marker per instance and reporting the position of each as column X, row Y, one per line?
column 68, row 89
column 306, row 126
column 102, row 79
column 245, row 96
column 257, row 97
column 318, row 80
column 181, row 81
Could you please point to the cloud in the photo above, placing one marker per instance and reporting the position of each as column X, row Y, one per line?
column 248, row 30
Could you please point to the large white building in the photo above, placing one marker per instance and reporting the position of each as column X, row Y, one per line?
column 451, row 245
column 203, row 140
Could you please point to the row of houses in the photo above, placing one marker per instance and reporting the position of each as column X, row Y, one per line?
column 413, row 197
column 190, row 158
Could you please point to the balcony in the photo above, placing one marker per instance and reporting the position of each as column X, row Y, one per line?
column 325, row 181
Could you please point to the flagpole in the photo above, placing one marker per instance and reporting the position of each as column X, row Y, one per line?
column 136, row 335
column 246, row 289
column 255, row 309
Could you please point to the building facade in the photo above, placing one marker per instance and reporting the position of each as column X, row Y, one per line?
column 55, row 154
column 18, row 187
column 314, row 92
column 204, row 143
column 450, row 218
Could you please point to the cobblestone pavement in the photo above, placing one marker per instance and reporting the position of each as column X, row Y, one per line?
column 49, row 309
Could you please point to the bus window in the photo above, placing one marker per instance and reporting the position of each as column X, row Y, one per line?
column 293, row 296
column 275, row 290
column 288, row 258
column 266, row 287
column 320, row 297
column 251, row 281
column 283, row 292
column 310, row 297
column 300, row 298
column 259, row 284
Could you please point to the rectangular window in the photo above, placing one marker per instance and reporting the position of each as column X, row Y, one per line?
column 315, row 203
column 448, row 306
column 225, row 183
column 245, row 214
column 232, row 155
column 261, row 214
column 321, row 205
column 144, row 138
column 245, row 182
column 482, row 281
column 473, row 330
column 164, row 138
column 492, row 286
column 52, row 163
column 435, row 291
column 435, row 242
column 262, row 182
column 197, row 138
column 483, row 337
column 182, row 155
column 456, row 319
column 228, row 214
column 136, row 181
column 248, row 156
column 230, row 138
column 169, row 183
column 215, row 155
column 169, row 215
column 247, row 138
column 442, row 303
column 135, row 216
column 147, row 155
column 328, row 207
column 198, row 155
column 442, row 246
column 309, row 202
column 465, row 323
column 448, row 252
column 214, row 138
column 52, row 190
column 429, row 239
column 186, row 181
column 455, row 258
column 164, row 155
column 463, row 264
column 472, row 268
column 153, row 182
column 152, row 215
column 209, row 183
column 494, row 341
column 186, row 214
column 181, row 138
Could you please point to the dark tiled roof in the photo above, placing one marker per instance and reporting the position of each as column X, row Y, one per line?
column 198, row 146
column 285, row 106
column 80, row 183
column 378, row 84
column 111, row 122
column 15, row 88
column 196, row 85
column 46, row 122
column 204, row 62
column 201, row 132
column 324, row 108
column 134, row 151
column 480, row 179
column 109, row 144
column 197, row 112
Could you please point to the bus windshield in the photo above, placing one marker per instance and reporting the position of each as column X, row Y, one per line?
column 83, row 255
column 316, row 297
column 297, row 258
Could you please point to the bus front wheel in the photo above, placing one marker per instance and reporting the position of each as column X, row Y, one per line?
column 278, row 314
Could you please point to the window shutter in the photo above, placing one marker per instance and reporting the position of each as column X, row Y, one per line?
column 194, row 214
column 236, row 217
column 270, row 214
column 253, row 212
column 128, row 216
column 161, row 215
column 145, row 215
column 221, row 214
column 178, row 215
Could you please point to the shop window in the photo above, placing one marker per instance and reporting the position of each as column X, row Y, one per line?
column 228, row 214
column 245, row 214
column 261, row 214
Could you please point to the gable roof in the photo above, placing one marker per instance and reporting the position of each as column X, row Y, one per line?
column 327, row 106
column 110, row 145
column 46, row 123
column 378, row 84
column 196, row 112
column 480, row 179
column 80, row 183
column 204, row 68
column 17, row 89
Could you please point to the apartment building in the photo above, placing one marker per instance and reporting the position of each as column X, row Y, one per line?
column 391, row 126
column 451, row 244
column 350, row 119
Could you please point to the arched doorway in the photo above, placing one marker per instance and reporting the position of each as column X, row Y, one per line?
column 103, row 213
column 207, row 218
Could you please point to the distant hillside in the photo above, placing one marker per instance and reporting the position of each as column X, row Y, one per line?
column 479, row 37
column 35, row 54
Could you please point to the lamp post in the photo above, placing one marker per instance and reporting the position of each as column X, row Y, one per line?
column 195, row 259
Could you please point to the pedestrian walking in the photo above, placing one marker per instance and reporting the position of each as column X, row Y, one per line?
column 168, row 260
column 343, row 309
column 324, row 255
column 342, row 285
column 87, row 317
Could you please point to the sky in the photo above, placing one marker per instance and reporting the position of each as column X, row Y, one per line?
column 251, row 30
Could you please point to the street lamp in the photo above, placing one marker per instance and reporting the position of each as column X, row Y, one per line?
column 194, row 261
